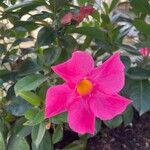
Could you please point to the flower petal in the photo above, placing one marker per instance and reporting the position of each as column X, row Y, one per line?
column 78, row 17
column 80, row 117
column 110, row 75
column 86, row 10
column 107, row 107
column 66, row 18
column 83, row 13
column 56, row 99
column 73, row 70
column 144, row 52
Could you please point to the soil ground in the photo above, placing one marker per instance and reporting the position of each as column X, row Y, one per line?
column 133, row 137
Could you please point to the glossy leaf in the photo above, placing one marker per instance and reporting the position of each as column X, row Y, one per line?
column 142, row 26
column 141, row 6
column 128, row 116
column 20, row 130
column 38, row 133
column 113, row 5
column 31, row 97
column 2, row 144
column 76, row 145
column 28, row 83
column 25, row 4
column 58, row 134
column 34, row 116
column 50, row 56
column 92, row 32
column 18, row 106
column 17, row 143
column 61, row 118
column 46, row 143
column 138, row 73
column 45, row 37
column 138, row 91
column 117, row 121
column 28, row 67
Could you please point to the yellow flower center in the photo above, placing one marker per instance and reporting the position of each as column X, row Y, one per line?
column 84, row 87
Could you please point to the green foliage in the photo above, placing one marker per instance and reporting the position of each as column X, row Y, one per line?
column 32, row 39
column 29, row 83
column 38, row 133
column 139, row 93
column 17, row 143
column 58, row 134
column 117, row 121
column 2, row 144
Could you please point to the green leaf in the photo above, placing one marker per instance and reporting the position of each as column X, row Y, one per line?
column 46, row 143
column 56, row 4
column 45, row 37
column 30, row 82
column 140, row 6
column 106, row 19
column 69, row 43
column 117, row 121
column 38, row 133
column 86, row 43
column 31, row 98
column 27, row 25
column 126, row 61
column 98, row 125
column 92, row 32
column 61, row 118
column 28, row 67
column 1, row 82
column 128, row 115
column 50, row 55
column 113, row 5
column 76, row 145
column 17, row 143
column 25, row 4
column 106, row 8
column 34, row 116
column 2, row 48
column 2, row 143
column 17, row 106
column 96, row 15
column 58, row 134
column 138, row 73
column 142, row 26
column 20, row 130
column 139, row 92
column 39, row 17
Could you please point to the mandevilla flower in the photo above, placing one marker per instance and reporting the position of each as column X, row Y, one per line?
column 144, row 51
column 88, row 92
column 77, row 17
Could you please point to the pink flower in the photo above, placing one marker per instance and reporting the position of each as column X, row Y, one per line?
column 78, row 17
column 144, row 52
column 66, row 18
column 88, row 92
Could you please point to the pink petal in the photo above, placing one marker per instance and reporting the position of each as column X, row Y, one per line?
column 78, row 17
column 110, row 75
column 80, row 117
column 80, row 64
column 144, row 52
column 107, row 107
column 83, row 13
column 56, row 99
column 86, row 10
column 66, row 18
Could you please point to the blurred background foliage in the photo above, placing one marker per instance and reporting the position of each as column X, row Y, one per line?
column 32, row 39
